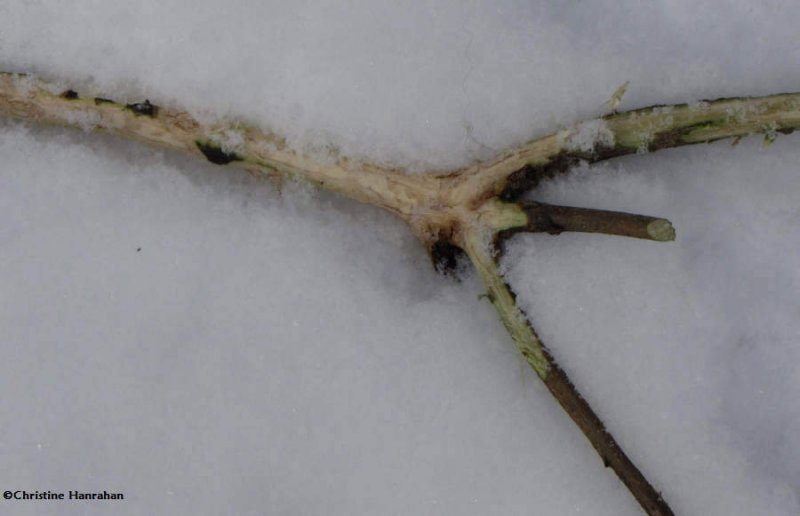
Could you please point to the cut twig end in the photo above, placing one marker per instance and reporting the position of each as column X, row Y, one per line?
column 661, row 230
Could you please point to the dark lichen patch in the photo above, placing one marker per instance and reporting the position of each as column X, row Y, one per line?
column 446, row 257
column 101, row 100
column 69, row 95
column 530, row 176
column 215, row 154
column 678, row 136
column 143, row 108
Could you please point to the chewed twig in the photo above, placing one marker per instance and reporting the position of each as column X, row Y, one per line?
column 468, row 210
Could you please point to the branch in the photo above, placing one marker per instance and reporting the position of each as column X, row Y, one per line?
column 452, row 210
column 631, row 132
column 548, row 218
column 556, row 380
column 233, row 143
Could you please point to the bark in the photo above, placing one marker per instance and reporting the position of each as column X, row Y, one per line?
column 603, row 442
column 548, row 218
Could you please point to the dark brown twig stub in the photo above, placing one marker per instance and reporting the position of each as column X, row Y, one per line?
column 549, row 218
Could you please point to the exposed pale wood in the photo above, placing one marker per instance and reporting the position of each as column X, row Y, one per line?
column 437, row 205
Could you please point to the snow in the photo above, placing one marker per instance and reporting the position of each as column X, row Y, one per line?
column 589, row 135
column 186, row 335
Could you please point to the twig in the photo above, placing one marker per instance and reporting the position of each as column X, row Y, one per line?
column 549, row 218
column 464, row 209
column 557, row 382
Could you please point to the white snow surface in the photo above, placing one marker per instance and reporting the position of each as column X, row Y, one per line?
column 178, row 332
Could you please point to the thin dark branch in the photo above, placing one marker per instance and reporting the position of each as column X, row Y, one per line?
column 610, row 452
column 563, row 390
column 549, row 218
